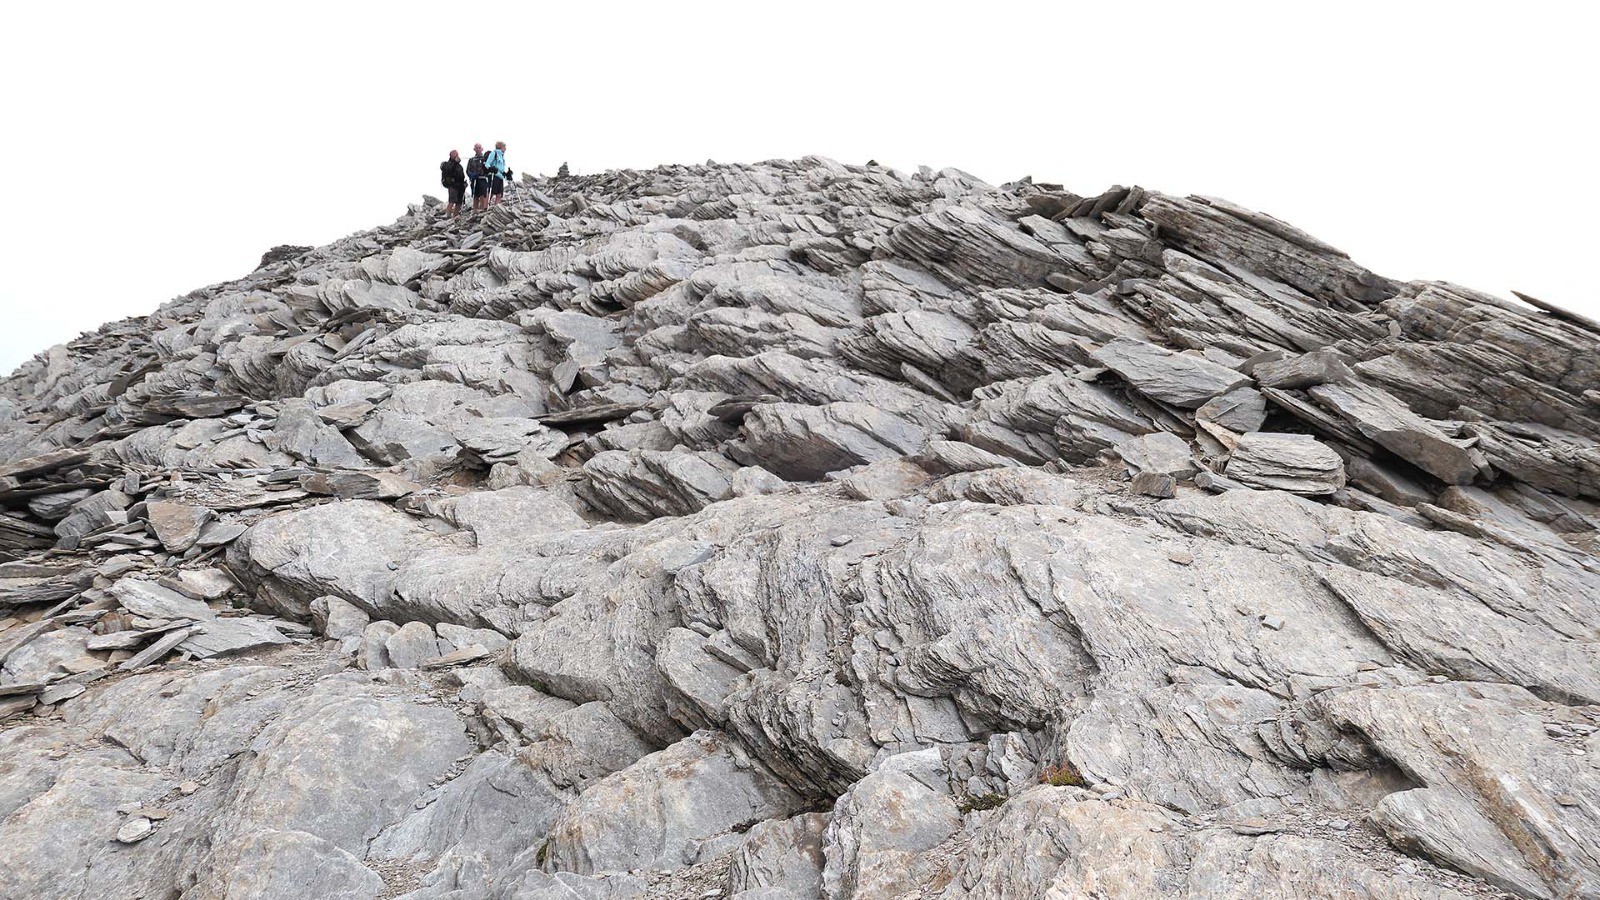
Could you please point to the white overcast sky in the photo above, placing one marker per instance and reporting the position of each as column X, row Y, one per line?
column 152, row 148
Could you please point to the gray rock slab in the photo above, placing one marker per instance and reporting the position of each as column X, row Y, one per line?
column 43, row 463
column 807, row 442
column 48, row 656
column 152, row 601
column 359, row 485
column 97, row 511
column 1181, row 379
column 224, row 636
column 339, row 618
column 159, row 648
column 638, row 485
column 351, row 550
column 697, row 788
column 885, row 480
column 218, row 534
column 414, row 644
column 1486, row 837
column 1240, row 410
column 288, row 863
column 301, row 433
column 1297, row 463
column 485, row 818
column 52, row 507
column 1303, row 371
column 782, row 854
column 202, row 584
column 1390, row 424
column 292, row 775
column 1158, row 454
column 879, row 830
column 459, row 637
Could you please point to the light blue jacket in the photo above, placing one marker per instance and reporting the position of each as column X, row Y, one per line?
column 495, row 160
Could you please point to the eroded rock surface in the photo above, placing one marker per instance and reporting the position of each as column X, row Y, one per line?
column 804, row 530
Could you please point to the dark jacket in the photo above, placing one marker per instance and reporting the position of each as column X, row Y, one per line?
column 451, row 174
column 475, row 167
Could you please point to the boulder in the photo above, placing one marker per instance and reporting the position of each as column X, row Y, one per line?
column 301, row 433
column 359, row 485
column 1297, row 463
column 807, row 442
column 176, row 525
column 1303, row 371
column 1391, row 425
column 1157, row 454
column 781, row 854
column 1182, row 379
column 654, row 813
column 1241, row 410
column 412, row 645
column 880, row 829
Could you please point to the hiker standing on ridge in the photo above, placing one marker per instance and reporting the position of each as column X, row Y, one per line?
column 498, row 172
column 478, row 173
column 454, row 181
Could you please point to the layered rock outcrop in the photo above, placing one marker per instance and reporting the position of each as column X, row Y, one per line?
column 805, row 530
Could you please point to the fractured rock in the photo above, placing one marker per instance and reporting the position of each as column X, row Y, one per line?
column 781, row 854
column 1181, row 379
column 301, row 433
column 338, row 618
column 1303, row 371
column 412, row 645
column 695, row 789
column 359, row 485
column 640, row 485
column 1388, row 423
column 879, row 830
column 1297, row 463
column 1157, row 454
column 1241, row 410
column 808, row 442
column 176, row 525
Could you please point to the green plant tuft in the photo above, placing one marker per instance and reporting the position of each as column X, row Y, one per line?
column 980, row 801
column 1064, row 775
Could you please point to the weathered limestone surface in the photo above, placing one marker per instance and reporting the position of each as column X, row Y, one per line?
column 805, row 530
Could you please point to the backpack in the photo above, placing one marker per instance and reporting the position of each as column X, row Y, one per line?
column 444, row 174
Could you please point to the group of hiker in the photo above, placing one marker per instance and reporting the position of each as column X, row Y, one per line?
column 485, row 173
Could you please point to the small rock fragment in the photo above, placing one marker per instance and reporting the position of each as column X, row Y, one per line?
column 1154, row 484
column 136, row 829
column 176, row 525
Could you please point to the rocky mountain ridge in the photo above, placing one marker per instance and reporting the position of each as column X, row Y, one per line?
column 800, row 530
